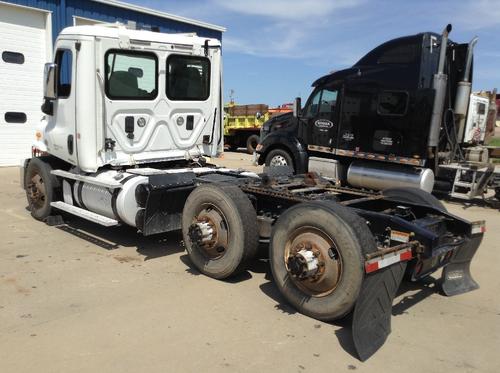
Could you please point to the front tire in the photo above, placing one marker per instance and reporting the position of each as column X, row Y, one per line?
column 332, row 238
column 219, row 227
column 279, row 157
column 252, row 142
column 41, row 188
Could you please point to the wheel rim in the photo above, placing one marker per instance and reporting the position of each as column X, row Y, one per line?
column 37, row 194
column 279, row 160
column 313, row 261
column 209, row 232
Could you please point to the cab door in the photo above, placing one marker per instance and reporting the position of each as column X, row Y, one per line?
column 62, row 125
column 322, row 118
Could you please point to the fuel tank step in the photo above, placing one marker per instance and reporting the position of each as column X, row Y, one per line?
column 87, row 179
column 88, row 215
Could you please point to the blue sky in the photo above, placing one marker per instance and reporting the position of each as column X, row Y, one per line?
column 274, row 49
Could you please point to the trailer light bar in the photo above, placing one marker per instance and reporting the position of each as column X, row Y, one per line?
column 387, row 260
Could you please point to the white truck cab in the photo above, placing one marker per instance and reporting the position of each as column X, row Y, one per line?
column 123, row 97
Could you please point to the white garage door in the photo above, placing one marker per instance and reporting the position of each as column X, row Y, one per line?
column 23, row 52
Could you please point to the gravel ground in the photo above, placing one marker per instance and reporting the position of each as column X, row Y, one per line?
column 84, row 298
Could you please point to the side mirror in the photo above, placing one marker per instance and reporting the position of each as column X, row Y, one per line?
column 49, row 81
column 258, row 115
column 297, row 107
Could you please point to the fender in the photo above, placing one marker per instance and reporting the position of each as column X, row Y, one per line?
column 287, row 141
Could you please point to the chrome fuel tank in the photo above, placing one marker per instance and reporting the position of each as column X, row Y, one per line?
column 380, row 176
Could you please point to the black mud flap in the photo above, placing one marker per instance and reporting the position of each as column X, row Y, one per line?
column 456, row 278
column 371, row 322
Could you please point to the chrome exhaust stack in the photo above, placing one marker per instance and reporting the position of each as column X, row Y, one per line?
column 463, row 92
column 439, row 85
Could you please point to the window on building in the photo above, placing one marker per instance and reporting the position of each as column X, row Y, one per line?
column 64, row 59
column 481, row 108
column 13, row 57
column 392, row 103
column 188, row 78
column 131, row 75
column 15, row 117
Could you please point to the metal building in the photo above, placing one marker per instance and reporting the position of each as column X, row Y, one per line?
column 28, row 29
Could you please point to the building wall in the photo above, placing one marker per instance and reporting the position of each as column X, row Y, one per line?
column 64, row 10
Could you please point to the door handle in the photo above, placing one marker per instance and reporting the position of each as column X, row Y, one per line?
column 189, row 122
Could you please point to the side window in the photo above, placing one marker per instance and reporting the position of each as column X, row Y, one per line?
column 131, row 75
column 392, row 103
column 188, row 78
column 399, row 54
column 64, row 59
column 481, row 108
column 328, row 101
column 312, row 108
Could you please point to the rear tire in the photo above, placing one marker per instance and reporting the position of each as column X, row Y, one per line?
column 413, row 195
column 252, row 142
column 41, row 188
column 323, row 224
column 279, row 157
column 226, row 213
column 419, row 197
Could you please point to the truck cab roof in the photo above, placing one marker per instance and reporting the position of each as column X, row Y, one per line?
column 402, row 50
column 117, row 30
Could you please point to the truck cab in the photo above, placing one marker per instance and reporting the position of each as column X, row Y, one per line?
column 121, row 97
column 392, row 118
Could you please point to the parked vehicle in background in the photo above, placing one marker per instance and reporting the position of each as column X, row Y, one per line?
column 242, row 124
column 398, row 117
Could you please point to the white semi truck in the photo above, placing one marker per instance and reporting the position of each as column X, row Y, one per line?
column 130, row 116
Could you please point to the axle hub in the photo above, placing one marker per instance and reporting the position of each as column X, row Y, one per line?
column 201, row 233
column 304, row 264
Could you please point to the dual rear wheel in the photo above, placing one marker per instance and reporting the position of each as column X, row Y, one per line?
column 316, row 249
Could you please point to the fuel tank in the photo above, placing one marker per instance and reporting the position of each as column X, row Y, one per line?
column 118, row 203
column 380, row 176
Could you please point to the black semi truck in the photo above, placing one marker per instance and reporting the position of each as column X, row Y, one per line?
column 395, row 118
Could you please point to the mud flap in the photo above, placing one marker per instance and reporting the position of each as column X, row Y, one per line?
column 456, row 278
column 371, row 322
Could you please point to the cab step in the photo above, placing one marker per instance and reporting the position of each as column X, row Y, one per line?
column 85, row 214
column 87, row 179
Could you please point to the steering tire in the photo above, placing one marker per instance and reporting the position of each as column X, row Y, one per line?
column 279, row 157
column 41, row 188
column 252, row 142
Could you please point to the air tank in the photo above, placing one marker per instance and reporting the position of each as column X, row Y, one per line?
column 379, row 176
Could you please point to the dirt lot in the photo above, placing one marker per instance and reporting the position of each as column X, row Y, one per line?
column 91, row 299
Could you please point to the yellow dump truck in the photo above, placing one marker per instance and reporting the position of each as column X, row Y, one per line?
column 242, row 123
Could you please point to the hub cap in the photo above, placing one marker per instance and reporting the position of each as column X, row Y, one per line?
column 36, row 191
column 279, row 160
column 313, row 261
column 209, row 232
